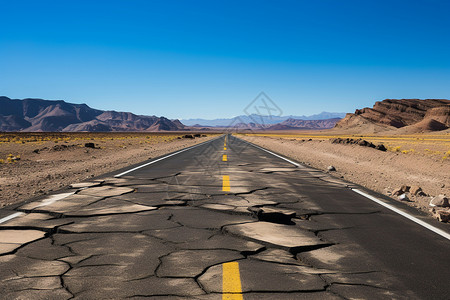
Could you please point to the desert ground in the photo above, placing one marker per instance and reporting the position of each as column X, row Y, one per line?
column 419, row 160
column 34, row 164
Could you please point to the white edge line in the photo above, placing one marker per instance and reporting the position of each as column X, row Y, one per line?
column 404, row 214
column 394, row 209
column 274, row 154
column 164, row 157
column 12, row 216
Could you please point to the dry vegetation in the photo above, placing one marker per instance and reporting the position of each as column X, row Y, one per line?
column 33, row 164
column 413, row 160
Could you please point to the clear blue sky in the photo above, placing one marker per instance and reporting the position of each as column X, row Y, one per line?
column 209, row 59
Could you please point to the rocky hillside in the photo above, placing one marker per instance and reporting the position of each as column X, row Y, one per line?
column 403, row 116
column 45, row 115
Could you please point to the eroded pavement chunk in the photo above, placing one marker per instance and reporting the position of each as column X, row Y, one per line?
column 283, row 236
column 13, row 239
column 105, row 191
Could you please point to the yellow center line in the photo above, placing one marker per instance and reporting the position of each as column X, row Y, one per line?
column 231, row 282
column 224, row 148
column 226, row 183
column 224, row 157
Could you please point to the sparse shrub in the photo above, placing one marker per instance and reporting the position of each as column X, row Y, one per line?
column 395, row 149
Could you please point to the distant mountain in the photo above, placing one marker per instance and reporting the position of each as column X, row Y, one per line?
column 400, row 115
column 47, row 115
column 305, row 124
column 257, row 119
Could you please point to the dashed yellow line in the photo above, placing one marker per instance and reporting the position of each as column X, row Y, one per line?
column 224, row 148
column 231, row 282
column 226, row 183
column 224, row 157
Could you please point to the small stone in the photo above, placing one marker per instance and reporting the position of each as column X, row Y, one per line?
column 403, row 197
column 89, row 145
column 440, row 201
column 331, row 169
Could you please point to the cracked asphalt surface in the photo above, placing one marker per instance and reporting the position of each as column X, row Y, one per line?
column 167, row 230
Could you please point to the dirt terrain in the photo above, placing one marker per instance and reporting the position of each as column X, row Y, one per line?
column 419, row 160
column 33, row 164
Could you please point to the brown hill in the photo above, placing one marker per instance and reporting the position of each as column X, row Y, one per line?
column 45, row 115
column 412, row 115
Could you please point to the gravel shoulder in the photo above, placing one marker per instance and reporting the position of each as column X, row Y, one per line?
column 377, row 170
column 56, row 161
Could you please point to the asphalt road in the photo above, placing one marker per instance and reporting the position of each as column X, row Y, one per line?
column 221, row 220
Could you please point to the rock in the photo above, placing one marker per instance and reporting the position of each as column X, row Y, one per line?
column 397, row 192
column 403, row 197
column 36, row 151
column 443, row 216
column 416, row 191
column 331, row 168
column 440, row 201
column 197, row 135
column 89, row 145
column 381, row 147
column 59, row 147
column 401, row 190
column 188, row 136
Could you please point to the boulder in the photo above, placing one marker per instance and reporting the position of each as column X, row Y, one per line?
column 381, row 147
column 331, row 168
column 89, row 145
column 440, row 201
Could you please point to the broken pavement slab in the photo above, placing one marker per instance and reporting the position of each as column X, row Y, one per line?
column 154, row 219
column 88, row 184
column 13, row 239
column 105, row 191
column 282, row 236
column 278, row 256
column 35, row 220
column 109, row 207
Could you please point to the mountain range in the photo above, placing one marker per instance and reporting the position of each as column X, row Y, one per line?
column 46, row 115
column 38, row 115
column 257, row 119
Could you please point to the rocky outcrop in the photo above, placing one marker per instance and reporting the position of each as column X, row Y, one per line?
column 36, row 115
column 413, row 115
